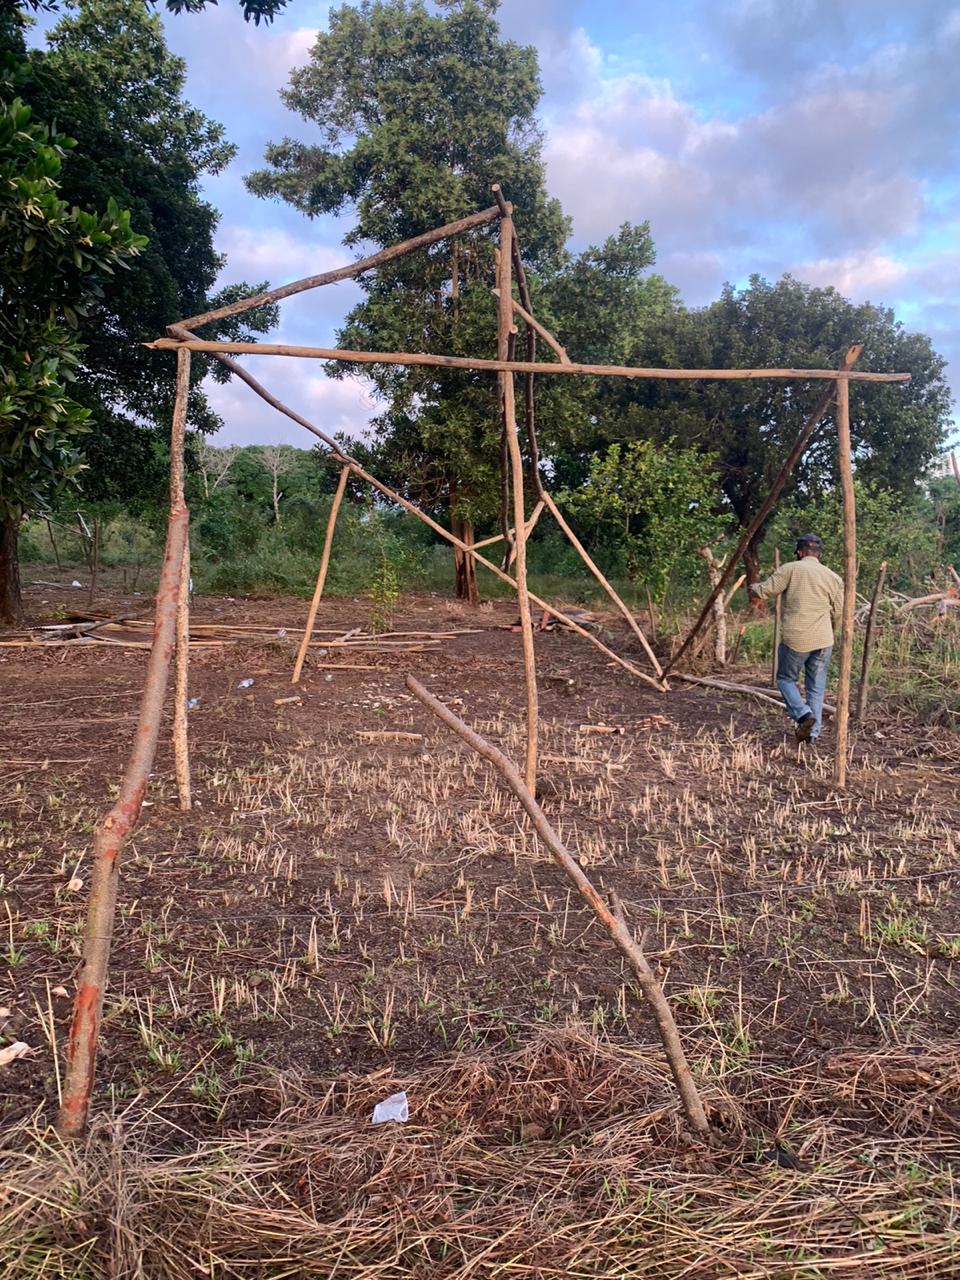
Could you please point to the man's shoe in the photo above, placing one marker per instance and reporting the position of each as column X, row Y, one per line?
column 804, row 727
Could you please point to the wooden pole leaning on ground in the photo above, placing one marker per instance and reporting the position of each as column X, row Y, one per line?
column 612, row 920
column 868, row 637
column 322, row 575
column 793, row 457
column 849, row 581
column 337, row 451
column 181, row 741
column 507, row 400
column 777, row 625
column 115, row 827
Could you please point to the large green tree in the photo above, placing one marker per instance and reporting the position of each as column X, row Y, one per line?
column 421, row 109
column 256, row 11
column 110, row 80
column 897, row 428
column 55, row 259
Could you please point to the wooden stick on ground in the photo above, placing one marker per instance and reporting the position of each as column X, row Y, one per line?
column 849, row 580
column 730, row 686
column 793, row 457
column 868, row 637
column 607, row 586
column 504, row 322
column 777, row 625
column 113, row 830
column 322, row 575
column 181, row 744
column 339, row 453
column 613, row 921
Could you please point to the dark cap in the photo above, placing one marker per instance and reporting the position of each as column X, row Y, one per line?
column 809, row 541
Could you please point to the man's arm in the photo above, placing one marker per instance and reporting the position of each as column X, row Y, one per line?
column 773, row 586
column 836, row 605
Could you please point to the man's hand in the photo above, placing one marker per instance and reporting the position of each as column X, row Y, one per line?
column 758, row 604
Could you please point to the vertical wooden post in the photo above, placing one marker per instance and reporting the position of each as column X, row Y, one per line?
column 504, row 325
column 868, row 645
column 322, row 575
column 849, row 579
column 113, row 830
column 777, row 624
column 181, row 743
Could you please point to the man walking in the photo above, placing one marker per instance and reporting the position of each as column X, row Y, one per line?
column 812, row 607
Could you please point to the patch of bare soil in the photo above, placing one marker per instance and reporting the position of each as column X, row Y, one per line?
column 340, row 906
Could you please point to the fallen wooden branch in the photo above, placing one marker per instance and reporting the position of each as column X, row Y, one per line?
column 728, row 686
column 388, row 735
column 612, row 919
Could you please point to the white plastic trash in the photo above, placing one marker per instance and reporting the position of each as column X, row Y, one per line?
column 245, row 684
column 393, row 1108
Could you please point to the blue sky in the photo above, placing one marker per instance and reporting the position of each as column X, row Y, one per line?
column 817, row 136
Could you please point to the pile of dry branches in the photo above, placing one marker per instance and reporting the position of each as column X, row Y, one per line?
column 567, row 1158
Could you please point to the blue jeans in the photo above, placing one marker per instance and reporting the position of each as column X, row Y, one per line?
column 814, row 664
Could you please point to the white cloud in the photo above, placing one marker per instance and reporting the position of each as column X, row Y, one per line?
column 862, row 277
column 344, row 405
column 275, row 254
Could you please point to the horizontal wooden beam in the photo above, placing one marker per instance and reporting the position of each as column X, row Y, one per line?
column 348, row 271
column 513, row 366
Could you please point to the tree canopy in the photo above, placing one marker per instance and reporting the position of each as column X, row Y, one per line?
column 897, row 428
column 55, row 260
column 109, row 78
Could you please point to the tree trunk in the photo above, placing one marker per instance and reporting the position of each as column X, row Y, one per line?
column 11, row 601
column 465, row 566
column 751, row 558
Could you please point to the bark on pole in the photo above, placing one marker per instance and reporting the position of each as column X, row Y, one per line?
column 504, row 325
column 612, row 920
column 181, row 741
column 322, row 575
column 115, row 827
column 777, row 625
column 868, row 638
column 849, row 580
column 793, row 457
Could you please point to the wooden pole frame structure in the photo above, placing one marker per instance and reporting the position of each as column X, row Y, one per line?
column 116, row 826
column 849, row 583
column 508, row 407
column 114, row 829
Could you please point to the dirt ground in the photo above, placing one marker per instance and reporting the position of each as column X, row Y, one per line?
column 336, row 903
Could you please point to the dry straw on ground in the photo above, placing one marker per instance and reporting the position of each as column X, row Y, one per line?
column 564, row 1159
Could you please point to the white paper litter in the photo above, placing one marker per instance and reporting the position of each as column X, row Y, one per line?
column 18, row 1050
column 393, row 1108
